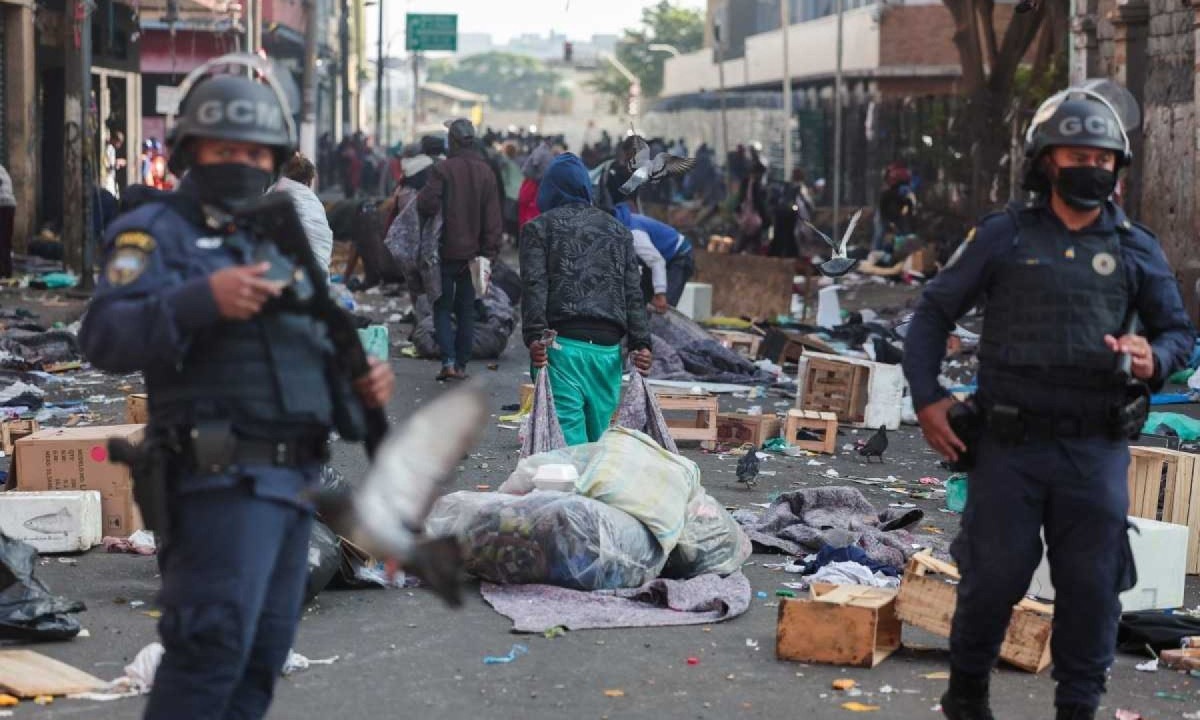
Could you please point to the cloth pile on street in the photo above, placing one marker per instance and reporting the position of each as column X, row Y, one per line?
column 685, row 351
column 496, row 318
column 809, row 520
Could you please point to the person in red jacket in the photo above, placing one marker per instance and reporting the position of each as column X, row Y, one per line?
column 534, row 168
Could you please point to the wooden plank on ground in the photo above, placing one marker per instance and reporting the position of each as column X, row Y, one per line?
column 25, row 673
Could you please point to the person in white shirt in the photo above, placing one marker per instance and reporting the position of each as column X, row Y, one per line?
column 297, row 180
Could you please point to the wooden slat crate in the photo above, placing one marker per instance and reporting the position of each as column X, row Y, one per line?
column 744, row 343
column 13, row 430
column 840, row 625
column 701, row 426
column 1165, row 485
column 824, row 424
column 836, row 387
column 739, row 428
column 137, row 408
column 927, row 600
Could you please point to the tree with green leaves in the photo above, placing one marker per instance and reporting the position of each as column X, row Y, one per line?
column 511, row 82
column 664, row 22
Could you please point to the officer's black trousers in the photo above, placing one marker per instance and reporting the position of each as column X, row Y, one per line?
column 1076, row 491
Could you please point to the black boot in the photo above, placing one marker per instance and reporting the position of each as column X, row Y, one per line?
column 1076, row 712
column 967, row 698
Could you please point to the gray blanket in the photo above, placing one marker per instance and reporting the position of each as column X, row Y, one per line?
column 804, row 521
column 699, row 601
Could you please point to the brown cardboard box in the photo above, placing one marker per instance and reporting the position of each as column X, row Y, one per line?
column 137, row 409
column 77, row 459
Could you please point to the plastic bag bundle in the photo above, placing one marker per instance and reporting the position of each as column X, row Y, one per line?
column 324, row 559
column 27, row 609
column 639, row 411
column 544, row 433
column 711, row 541
column 548, row 537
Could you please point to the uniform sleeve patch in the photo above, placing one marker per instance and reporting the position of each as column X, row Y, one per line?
column 126, row 264
column 135, row 239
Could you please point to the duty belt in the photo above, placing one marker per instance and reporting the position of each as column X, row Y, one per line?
column 1011, row 425
column 214, row 447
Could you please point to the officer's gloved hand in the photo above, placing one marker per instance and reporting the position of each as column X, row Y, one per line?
column 241, row 291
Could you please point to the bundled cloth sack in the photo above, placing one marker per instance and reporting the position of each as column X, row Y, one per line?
column 548, row 537
column 540, row 431
column 685, row 351
column 495, row 320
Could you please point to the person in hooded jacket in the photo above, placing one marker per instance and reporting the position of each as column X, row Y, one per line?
column 533, row 170
column 581, row 279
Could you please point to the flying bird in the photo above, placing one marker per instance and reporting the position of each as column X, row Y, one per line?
column 747, row 468
column 649, row 170
column 876, row 445
column 385, row 515
column 838, row 264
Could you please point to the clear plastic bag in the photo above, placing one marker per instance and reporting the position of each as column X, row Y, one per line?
column 548, row 537
column 711, row 541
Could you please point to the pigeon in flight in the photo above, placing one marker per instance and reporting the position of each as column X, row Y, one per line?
column 385, row 515
column 649, row 170
column 838, row 265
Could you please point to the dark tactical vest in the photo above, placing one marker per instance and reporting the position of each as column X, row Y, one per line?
column 1050, row 304
column 269, row 375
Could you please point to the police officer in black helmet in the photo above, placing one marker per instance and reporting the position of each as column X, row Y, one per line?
column 1063, row 386
column 240, row 390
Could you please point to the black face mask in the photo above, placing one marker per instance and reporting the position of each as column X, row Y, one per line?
column 230, row 185
column 1084, row 187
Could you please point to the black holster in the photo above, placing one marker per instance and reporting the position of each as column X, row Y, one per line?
column 1131, row 413
column 966, row 420
column 149, row 462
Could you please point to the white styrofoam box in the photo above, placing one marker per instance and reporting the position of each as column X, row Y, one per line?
column 1160, row 553
column 696, row 301
column 885, row 391
column 52, row 521
column 829, row 308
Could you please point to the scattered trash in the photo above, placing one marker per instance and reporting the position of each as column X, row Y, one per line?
column 1150, row 666
column 936, row 676
column 27, row 609
column 1171, row 696
column 513, row 653
column 614, row 693
column 556, row 631
column 887, row 690
column 760, row 595
column 844, row 684
column 136, row 603
column 1131, row 715
column 855, row 706
column 43, row 700
column 751, row 643
column 693, row 661
column 296, row 662
column 785, row 593
column 956, row 492
column 7, row 700
column 139, row 543
column 832, row 473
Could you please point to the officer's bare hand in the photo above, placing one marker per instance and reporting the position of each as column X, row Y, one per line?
column 643, row 360
column 660, row 303
column 537, row 355
column 935, row 425
column 1139, row 351
column 241, row 291
column 375, row 388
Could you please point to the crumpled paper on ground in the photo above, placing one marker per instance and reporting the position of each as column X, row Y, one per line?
column 140, row 543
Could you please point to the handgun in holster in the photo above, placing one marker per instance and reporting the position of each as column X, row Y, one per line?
column 966, row 420
column 149, row 462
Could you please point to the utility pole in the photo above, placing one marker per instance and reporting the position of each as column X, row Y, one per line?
column 721, row 95
column 784, row 23
column 344, row 65
column 249, row 26
column 379, row 75
column 416, row 63
column 837, row 125
column 78, row 190
column 308, row 107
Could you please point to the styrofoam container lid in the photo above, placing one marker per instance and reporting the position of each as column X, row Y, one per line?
column 567, row 486
column 559, row 472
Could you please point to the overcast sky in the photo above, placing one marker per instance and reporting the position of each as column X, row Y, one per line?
column 578, row 19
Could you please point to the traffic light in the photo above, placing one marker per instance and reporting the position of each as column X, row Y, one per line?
column 568, row 51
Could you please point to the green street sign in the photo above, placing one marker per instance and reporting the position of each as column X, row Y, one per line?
column 431, row 32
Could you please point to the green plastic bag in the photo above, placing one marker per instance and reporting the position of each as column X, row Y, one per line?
column 1180, row 377
column 375, row 341
column 56, row 280
column 956, row 492
column 1188, row 429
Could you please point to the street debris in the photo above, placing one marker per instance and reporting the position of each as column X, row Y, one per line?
column 296, row 662
column 614, row 693
column 514, row 652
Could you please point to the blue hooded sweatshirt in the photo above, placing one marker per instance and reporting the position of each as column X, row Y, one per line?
column 665, row 238
column 566, row 182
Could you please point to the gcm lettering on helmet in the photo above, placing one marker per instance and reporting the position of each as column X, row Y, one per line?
column 241, row 112
column 1094, row 124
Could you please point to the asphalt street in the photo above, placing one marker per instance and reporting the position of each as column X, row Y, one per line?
column 402, row 654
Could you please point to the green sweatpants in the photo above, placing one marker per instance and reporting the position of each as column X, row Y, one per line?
column 586, row 382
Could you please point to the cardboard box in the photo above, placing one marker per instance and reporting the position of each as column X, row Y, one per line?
column 840, row 625
column 928, row 597
column 77, row 459
column 137, row 408
column 1160, row 553
column 53, row 521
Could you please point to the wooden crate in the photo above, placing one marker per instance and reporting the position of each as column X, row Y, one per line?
column 840, row 625
column 836, row 387
column 1165, row 485
column 739, row 428
column 1187, row 659
column 745, row 343
column 927, row 599
column 825, row 424
column 13, row 430
column 703, row 411
column 137, row 408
